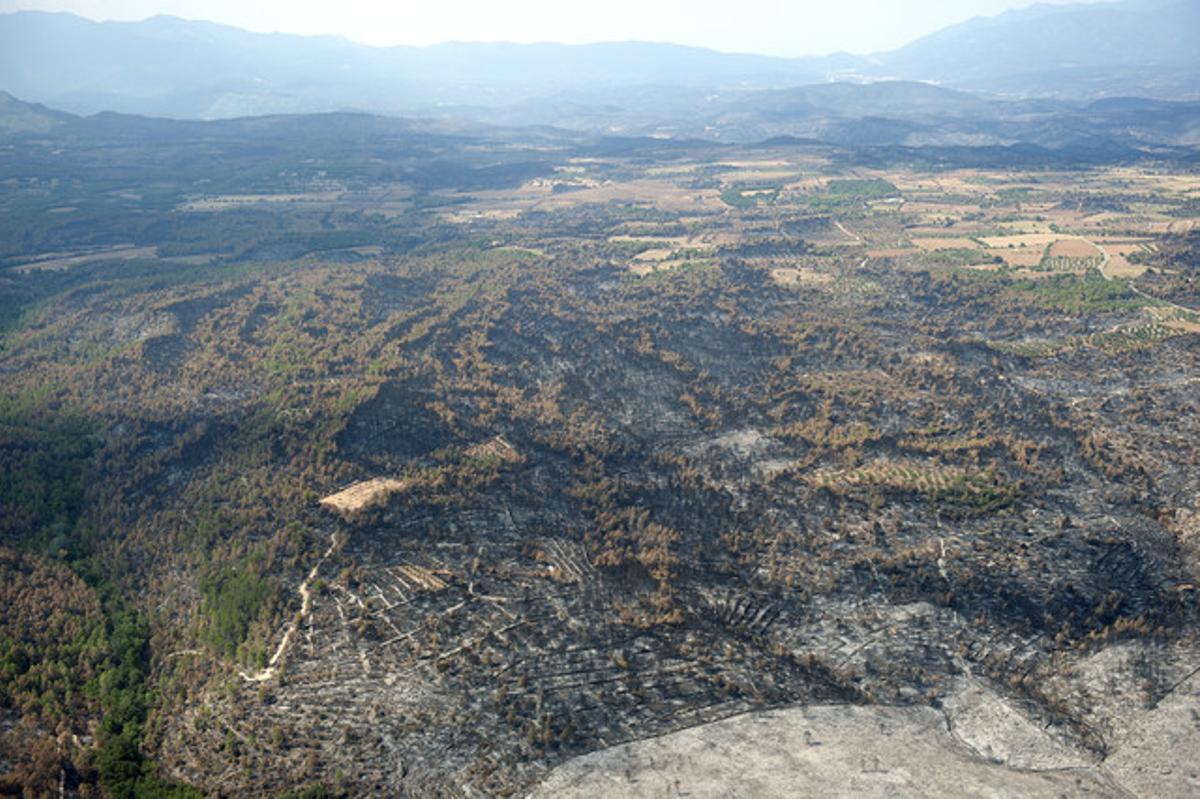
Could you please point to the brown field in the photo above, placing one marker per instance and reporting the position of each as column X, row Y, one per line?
column 1073, row 248
column 1127, row 246
column 1119, row 266
column 1022, row 256
column 932, row 245
column 1038, row 240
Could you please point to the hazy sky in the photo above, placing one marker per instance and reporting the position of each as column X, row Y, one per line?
column 776, row 27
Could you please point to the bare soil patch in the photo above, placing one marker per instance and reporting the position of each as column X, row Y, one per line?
column 361, row 496
column 1073, row 248
column 1024, row 256
column 800, row 277
column 1039, row 240
column 932, row 245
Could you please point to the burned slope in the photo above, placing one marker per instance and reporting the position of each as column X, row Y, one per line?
column 614, row 526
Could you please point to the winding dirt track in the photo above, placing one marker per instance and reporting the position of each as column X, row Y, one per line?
column 262, row 675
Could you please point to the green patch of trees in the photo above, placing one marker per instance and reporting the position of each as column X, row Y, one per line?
column 1090, row 293
column 871, row 189
column 232, row 601
column 749, row 196
column 123, row 770
column 44, row 456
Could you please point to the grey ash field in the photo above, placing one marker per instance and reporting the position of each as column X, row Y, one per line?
column 877, row 470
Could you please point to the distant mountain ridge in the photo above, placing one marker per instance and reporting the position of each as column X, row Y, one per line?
column 172, row 67
column 1139, row 47
column 17, row 116
column 169, row 67
column 904, row 115
column 261, row 82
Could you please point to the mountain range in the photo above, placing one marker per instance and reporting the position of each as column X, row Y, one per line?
column 167, row 66
column 895, row 115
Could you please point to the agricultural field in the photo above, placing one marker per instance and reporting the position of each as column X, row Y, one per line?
column 574, row 454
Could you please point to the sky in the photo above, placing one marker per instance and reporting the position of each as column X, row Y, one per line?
column 772, row 27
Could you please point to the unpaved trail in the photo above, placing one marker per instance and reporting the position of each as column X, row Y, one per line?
column 1104, row 253
column 184, row 652
column 262, row 675
column 854, row 236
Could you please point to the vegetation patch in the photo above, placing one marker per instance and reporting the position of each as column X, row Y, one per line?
column 750, row 197
column 44, row 456
column 1133, row 338
column 1034, row 349
column 1088, row 293
column 861, row 189
column 233, row 600
column 982, row 490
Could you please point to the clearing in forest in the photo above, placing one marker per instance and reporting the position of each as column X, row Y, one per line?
column 360, row 496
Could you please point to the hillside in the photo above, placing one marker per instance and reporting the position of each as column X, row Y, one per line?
column 17, row 117
column 631, row 420
column 371, row 456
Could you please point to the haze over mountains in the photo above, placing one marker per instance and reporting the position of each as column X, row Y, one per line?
column 172, row 67
column 1102, row 80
